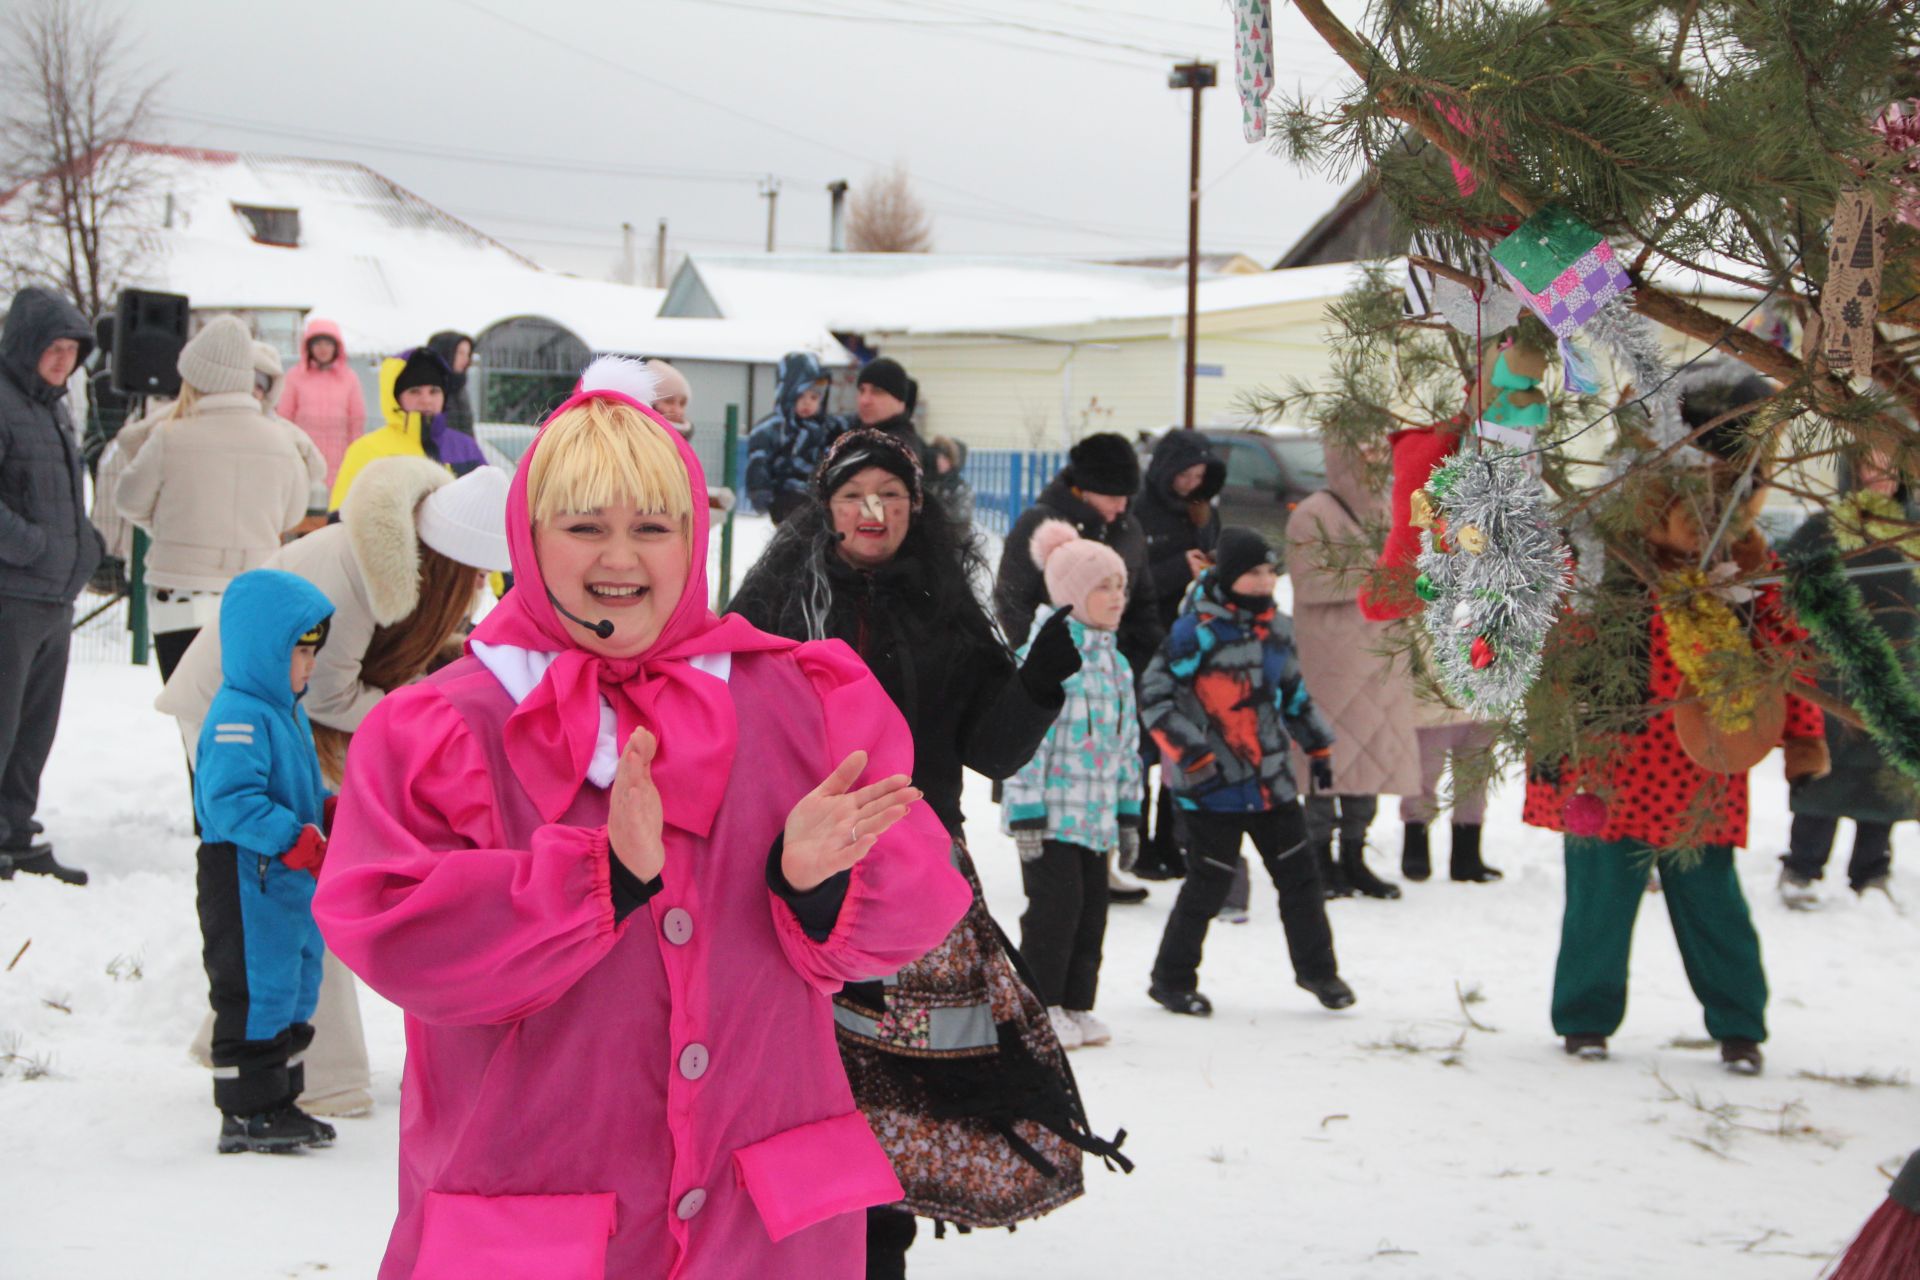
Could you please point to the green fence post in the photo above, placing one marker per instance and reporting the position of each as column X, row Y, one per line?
column 137, row 598
column 729, row 476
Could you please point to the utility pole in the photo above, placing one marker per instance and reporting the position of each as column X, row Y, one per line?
column 770, row 188
column 1193, row 76
column 626, row 253
column 660, row 256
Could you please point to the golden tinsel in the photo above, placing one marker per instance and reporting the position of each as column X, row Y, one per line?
column 1711, row 648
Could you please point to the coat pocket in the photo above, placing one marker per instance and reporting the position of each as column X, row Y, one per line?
column 809, row 1174
column 514, row 1237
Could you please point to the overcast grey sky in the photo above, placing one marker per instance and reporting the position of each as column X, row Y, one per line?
column 1019, row 141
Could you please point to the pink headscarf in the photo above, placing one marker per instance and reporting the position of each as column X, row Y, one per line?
column 550, row 737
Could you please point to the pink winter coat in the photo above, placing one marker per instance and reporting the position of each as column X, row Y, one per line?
column 328, row 403
column 659, row 1096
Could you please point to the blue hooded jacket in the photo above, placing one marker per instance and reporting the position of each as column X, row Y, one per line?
column 257, row 777
column 783, row 449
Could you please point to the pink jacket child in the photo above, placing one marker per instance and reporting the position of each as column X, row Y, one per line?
column 652, row 1094
column 325, row 401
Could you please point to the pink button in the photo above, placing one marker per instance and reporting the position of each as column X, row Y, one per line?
column 691, row 1203
column 678, row 926
column 693, row 1061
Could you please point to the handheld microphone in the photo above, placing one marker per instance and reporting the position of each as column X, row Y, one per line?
column 602, row 628
column 839, row 536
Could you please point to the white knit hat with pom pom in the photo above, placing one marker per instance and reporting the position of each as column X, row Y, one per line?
column 1072, row 565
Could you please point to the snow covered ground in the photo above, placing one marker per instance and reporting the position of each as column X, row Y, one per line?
column 1275, row 1140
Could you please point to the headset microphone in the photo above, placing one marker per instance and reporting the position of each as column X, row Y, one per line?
column 602, row 628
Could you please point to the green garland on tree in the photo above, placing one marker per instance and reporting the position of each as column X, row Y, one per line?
column 1831, row 608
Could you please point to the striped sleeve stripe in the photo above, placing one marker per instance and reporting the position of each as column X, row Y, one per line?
column 242, row 727
column 243, row 739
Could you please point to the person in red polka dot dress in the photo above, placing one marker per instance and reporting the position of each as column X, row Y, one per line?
column 1663, row 809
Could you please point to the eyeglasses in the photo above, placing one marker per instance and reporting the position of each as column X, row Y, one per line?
column 891, row 501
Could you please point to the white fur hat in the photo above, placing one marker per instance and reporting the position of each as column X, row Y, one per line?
column 220, row 358
column 466, row 521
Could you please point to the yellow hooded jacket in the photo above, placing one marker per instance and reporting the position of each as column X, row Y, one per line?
column 403, row 435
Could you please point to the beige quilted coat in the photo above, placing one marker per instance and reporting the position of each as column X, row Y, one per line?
column 1366, row 695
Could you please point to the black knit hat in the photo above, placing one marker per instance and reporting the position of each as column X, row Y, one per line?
column 1716, row 389
column 423, row 369
column 888, row 376
column 1104, row 463
column 860, row 448
column 1238, row 550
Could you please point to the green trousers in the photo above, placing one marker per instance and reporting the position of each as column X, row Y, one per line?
column 1606, row 879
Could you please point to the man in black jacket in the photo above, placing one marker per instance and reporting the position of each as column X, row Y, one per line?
column 1091, row 493
column 886, row 397
column 48, row 550
column 1176, row 511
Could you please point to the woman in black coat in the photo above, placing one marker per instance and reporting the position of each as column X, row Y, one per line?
column 947, row 1057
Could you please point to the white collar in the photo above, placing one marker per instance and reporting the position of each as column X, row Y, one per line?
column 519, row 671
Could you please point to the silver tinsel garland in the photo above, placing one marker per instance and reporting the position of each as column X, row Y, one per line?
column 1494, row 582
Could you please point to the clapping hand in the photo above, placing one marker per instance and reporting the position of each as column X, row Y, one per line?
column 834, row 827
column 634, row 817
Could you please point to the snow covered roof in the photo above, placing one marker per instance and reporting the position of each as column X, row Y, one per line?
column 391, row 268
column 931, row 293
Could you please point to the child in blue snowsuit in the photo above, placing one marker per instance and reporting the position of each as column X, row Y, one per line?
column 1078, row 799
column 261, row 804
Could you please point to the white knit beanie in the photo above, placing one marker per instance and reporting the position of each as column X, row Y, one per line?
column 466, row 521
column 219, row 359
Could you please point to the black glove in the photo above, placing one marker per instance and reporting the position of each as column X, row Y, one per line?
column 1051, row 658
column 1320, row 769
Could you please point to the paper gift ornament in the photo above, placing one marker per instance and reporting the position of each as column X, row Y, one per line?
column 1253, row 63
column 1562, row 268
column 1851, row 302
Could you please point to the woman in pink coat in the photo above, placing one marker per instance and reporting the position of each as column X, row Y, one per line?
column 322, row 395
column 617, row 962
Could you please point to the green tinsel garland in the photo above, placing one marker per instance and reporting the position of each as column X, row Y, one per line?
column 1830, row 607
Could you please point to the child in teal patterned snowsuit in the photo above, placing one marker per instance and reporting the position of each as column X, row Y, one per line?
column 1078, row 799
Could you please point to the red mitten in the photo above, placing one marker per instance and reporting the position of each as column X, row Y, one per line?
column 1416, row 452
column 326, row 814
column 308, row 852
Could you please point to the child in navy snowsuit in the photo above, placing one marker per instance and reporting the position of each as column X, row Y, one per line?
column 1224, row 701
column 261, row 804
column 1078, row 799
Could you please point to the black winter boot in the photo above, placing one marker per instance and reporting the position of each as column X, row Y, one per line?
column 282, row 1130
column 1332, row 883
column 1330, row 992
column 1353, row 865
column 1466, row 863
column 38, row 860
column 1416, row 859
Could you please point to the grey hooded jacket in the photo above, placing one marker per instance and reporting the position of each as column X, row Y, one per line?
column 48, row 547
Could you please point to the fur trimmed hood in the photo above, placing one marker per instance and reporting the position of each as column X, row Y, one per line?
column 379, row 515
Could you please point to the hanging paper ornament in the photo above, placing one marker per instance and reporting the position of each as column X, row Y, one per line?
column 1253, row 63
column 1509, row 594
column 1851, row 301
column 1577, row 370
column 1584, row 814
column 1562, row 268
column 1483, row 313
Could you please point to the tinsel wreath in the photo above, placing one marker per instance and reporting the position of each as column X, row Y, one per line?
column 1829, row 606
column 1493, row 571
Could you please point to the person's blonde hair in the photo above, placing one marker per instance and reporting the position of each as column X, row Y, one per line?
column 188, row 401
column 602, row 453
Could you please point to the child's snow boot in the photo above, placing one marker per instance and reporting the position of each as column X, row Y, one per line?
column 1187, row 1002
column 1800, row 892
column 1331, row 992
column 1465, row 857
column 1416, row 859
column 278, row 1131
column 1742, row 1056
column 1587, row 1047
column 1353, row 867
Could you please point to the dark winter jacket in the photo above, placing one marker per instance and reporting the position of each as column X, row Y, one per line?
column 106, row 414
column 1222, row 699
column 1019, row 591
column 48, row 547
column 902, row 429
column 952, row 679
column 783, row 449
column 951, row 487
column 1862, row 785
column 459, row 410
column 1175, row 525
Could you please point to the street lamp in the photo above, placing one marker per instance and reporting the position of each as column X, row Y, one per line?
column 1193, row 76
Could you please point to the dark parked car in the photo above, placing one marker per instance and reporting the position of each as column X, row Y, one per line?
column 1268, row 471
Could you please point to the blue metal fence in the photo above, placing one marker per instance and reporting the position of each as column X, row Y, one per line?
column 1006, row 481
